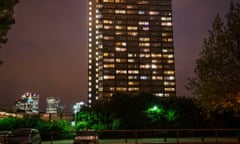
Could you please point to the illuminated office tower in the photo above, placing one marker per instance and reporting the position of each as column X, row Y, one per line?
column 130, row 48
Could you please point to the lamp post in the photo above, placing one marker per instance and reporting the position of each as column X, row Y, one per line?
column 76, row 109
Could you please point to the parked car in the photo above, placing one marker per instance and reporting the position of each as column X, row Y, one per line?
column 86, row 137
column 3, row 135
column 24, row 136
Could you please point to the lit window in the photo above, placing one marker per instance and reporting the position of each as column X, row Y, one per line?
column 109, row 77
column 144, row 44
column 166, row 56
column 166, row 24
column 105, row 54
column 146, row 66
column 144, row 39
column 144, row 55
column 118, row 60
column 157, row 77
column 143, row 77
column 132, row 27
column 109, row 66
column 146, row 50
column 133, row 33
column 145, row 28
column 132, row 55
column 165, row 50
column 133, row 83
column 98, row 16
column 107, row 22
column 171, row 78
column 169, row 83
column 166, row 18
column 118, row 27
column 109, row 38
column 111, row 88
column 131, row 77
column 120, row 11
column 119, row 1
column 169, row 39
column 133, row 71
column 142, row 2
column 170, row 61
column 121, row 71
column 118, row 43
column 141, row 12
column 121, row 89
column 119, row 33
column 159, row 94
column 131, row 60
column 146, row 23
column 108, row 60
column 121, row 49
column 154, row 66
column 153, row 12
column 169, row 72
column 169, row 89
column 133, row 89
column 129, row 7
column 108, row 1
column 108, row 27
column 155, row 61
column 124, row 44
column 170, row 56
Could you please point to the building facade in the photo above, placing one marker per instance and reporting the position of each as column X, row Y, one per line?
column 130, row 48
column 28, row 103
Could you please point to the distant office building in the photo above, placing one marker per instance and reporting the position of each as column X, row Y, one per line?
column 52, row 105
column 28, row 103
column 130, row 48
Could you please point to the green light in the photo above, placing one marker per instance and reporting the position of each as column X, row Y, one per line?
column 156, row 113
column 170, row 115
column 155, row 109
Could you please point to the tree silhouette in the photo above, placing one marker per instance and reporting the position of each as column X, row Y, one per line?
column 216, row 84
column 6, row 19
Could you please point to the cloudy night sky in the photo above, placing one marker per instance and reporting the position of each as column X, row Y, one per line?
column 47, row 48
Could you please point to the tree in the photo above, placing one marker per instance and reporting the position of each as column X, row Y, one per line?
column 216, row 85
column 6, row 19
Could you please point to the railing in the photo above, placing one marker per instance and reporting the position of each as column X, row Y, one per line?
column 174, row 136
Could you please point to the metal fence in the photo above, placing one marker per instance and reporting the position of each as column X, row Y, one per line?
column 170, row 136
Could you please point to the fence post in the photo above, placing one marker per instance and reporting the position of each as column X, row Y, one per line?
column 216, row 135
column 202, row 139
column 136, row 137
column 177, row 136
column 164, row 139
column 126, row 137
column 51, row 137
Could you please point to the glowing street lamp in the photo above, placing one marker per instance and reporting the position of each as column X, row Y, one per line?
column 76, row 109
column 155, row 109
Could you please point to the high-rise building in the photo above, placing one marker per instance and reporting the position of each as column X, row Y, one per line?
column 28, row 103
column 130, row 47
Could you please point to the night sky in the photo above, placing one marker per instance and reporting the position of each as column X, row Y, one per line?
column 47, row 48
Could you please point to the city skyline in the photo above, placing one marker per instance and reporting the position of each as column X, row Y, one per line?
column 47, row 48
